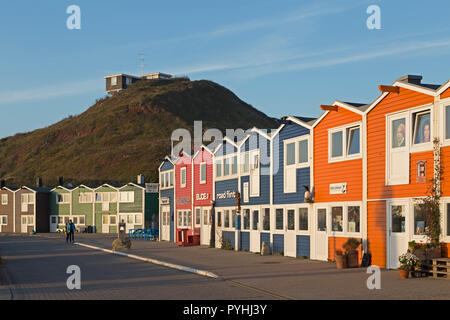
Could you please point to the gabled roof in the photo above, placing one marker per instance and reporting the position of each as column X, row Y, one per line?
column 37, row 189
column 133, row 184
column 169, row 158
column 414, row 83
column 12, row 189
column 108, row 185
column 359, row 108
column 62, row 187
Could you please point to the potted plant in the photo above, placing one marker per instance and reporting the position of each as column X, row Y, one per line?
column 408, row 262
column 412, row 245
column 351, row 247
column 341, row 259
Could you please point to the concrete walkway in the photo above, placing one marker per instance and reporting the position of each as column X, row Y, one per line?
column 283, row 276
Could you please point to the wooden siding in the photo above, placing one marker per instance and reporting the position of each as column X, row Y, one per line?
column 337, row 243
column 58, row 208
column 325, row 173
column 264, row 237
column 8, row 210
column 303, row 246
column 169, row 194
column 445, row 250
column 183, row 195
column 245, row 241
column 376, row 232
column 136, row 206
column 376, row 147
column 445, row 94
column 83, row 209
column 223, row 186
column 290, row 130
column 203, row 156
column 278, row 244
column 445, row 183
column 166, row 166
column 228, row 236
column 19, row 213
column 263, row 145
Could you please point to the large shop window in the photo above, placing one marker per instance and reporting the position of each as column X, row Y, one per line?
column 291, row 219
column 337, row 219
column 303, row 219
column 233, row 218
column 279, row 217
column 448, row 219
column 197, row 217
column 266, row 219
column 353, row 214
column 321, row 219
column 227, row 218
column 255, row 220
column 219, row 218
column 246, row 222
column 419, row 219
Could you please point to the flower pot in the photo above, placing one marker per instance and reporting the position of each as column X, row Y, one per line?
column 434, row 253
column 341, row 262
column 352, row 259
column 404, row 274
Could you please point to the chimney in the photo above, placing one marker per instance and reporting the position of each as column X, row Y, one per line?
column 39, row 182
column 140, row 179
column 2, row 184
column 411, row 79
column 61, row 181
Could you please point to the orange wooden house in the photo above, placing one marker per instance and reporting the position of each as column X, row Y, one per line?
column 401, row 127
column 338, row 178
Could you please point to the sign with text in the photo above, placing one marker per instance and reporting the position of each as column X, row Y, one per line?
column 338, row 188
column 226, row 195
column 202, row 196
column 151, row 187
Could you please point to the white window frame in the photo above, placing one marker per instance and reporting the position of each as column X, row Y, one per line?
column 297, row 164
column 245, row 155
column 442, row 105
column 126, row 197
column 297, row 220
column 114, row 81
column 223, row 160
column 183, row 173
column 1, row 220
column 345, row 145
column 413, row 113
column 444, row 219
column 203, row 164
column 4, row 196
column 83, row 197
column 197, row 225
column 166, row 183
column 344, row 232
column 65, row 198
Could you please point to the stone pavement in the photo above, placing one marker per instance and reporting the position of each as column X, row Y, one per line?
column 285, row 276
column 37, row 269
column 266, row 277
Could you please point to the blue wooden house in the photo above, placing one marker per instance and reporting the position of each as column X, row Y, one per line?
column 290, row 221
column 255, row 179
column 167, row 199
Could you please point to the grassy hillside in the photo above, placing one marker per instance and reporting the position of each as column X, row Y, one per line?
column 123, row 135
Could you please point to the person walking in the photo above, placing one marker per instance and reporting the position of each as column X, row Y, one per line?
column 70, row 232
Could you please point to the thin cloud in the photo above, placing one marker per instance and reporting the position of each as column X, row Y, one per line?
column 49, row 92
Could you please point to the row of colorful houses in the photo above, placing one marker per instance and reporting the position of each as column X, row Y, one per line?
column 305, row 188
column 92, row 208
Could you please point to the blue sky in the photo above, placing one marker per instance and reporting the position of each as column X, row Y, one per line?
column 282, row 57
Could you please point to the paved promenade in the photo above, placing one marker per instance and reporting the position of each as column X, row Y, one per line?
column 243, row 275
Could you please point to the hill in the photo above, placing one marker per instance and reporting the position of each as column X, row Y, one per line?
column 123, row 135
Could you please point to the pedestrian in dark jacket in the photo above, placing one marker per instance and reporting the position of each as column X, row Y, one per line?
column 70, row 232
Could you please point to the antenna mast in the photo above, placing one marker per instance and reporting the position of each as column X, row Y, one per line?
column 142, row 62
